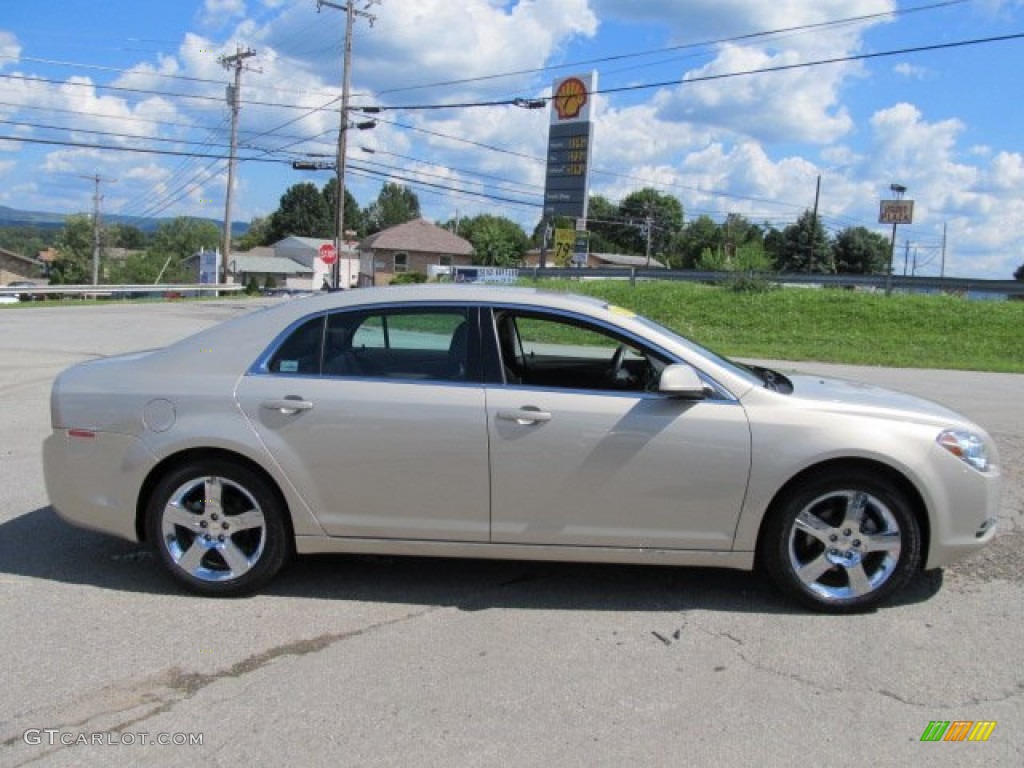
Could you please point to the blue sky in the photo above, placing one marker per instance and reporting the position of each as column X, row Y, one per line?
column 129, row 75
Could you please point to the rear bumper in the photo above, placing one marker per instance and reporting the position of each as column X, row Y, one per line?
column 94, row 481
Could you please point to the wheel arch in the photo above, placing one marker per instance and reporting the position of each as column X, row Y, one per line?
column 195, row 455
column 876, row 468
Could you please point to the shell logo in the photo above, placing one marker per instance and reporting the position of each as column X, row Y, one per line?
column 570, row 98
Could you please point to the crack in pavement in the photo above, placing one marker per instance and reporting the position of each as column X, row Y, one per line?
column 736, row 648
column 156, row 695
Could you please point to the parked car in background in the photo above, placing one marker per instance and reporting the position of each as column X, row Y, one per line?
column 476, row 421
column 25, row 296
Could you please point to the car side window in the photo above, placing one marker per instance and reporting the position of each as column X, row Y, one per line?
column 555, row 351
column 300, row 352
column 416, row 344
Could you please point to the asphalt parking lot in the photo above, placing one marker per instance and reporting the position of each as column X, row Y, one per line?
column 389, row 661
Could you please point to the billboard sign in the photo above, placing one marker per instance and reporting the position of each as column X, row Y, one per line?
column 896, row 212
column 570, row 136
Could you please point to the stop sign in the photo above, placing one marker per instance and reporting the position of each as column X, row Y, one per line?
column 327, row 253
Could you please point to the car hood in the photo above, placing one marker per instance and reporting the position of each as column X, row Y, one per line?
column 840, row 395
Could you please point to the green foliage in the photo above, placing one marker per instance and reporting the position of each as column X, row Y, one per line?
column 804, row 247
column 144, row 269
column 184, row 236
column 354, row 219
column 302, row 212
column 252, row 285
column 27, row 241
column 256, row 235
column 858, row 250
column 125, row 236
column 912, row 331
column 497, row 241
column 73, row 265
column 395, row 205
column 269, row 282
column 1018, row 274
column 408, row 278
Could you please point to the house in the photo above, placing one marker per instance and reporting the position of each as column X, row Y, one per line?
column 14, row 266
column 263, row 265
column 306, row 251
column 414, row 246
column 598, row 260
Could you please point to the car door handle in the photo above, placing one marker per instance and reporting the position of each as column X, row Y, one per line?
column 288, row 405
column 528, row 414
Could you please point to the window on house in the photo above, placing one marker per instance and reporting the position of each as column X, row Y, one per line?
column 401, row 262
column 446, row 260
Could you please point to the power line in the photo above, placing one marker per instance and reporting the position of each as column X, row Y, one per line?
column 709, row 78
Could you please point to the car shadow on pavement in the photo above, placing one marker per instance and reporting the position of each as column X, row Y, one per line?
column 40, row 545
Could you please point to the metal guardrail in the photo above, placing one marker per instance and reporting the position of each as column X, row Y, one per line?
column 906, row 283
column 119, row 291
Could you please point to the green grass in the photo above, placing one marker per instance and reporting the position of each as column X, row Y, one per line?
column 831, row 325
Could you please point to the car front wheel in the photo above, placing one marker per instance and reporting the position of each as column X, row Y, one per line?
column 218, row 527
column 842, row 543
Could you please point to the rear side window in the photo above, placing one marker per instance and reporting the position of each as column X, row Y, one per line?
column 300, row 353
column 419, row 343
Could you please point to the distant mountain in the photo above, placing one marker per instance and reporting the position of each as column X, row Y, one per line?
column 12, row 217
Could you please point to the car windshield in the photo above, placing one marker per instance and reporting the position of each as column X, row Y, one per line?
column 744, row 371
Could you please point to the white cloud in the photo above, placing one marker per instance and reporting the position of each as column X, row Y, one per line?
column 910, row 71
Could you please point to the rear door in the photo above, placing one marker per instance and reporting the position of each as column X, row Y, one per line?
column 378, row 419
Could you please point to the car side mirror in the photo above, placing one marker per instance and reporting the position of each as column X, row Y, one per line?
column 683, row 382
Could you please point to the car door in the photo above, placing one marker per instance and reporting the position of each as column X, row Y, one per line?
column 378, row 420
column 585, row 453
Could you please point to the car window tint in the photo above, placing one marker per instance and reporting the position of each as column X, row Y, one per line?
column 300, row 352
column 398, row 344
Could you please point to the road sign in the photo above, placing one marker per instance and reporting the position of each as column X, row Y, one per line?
column 327, row 253
column 564, row 239
column 896, row 212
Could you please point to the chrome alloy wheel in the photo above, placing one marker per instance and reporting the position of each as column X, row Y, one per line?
column 844, row 544
column 213, row 529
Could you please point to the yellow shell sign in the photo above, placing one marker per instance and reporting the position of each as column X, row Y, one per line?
column 570, row 98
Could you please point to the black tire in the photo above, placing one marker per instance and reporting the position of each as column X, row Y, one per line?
column 842, row 542
column 218, row 527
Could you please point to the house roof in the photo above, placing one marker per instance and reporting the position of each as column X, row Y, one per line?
column 312, row 243
column 418, row 235
column 277, row 265
column 27, row 259
column 626, row 260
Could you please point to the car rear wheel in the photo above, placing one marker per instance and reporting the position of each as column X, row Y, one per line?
column 218, row 527
column 842, row 543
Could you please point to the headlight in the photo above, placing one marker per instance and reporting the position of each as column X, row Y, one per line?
column 966, row 446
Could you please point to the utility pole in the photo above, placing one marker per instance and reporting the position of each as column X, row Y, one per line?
column 97, row 198
column 814, row 225
column 346, row 86
column 942, row 269
column 649, row 230
column 237, row 62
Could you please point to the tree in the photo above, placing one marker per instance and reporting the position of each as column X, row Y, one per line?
column 1018, row 273
column 256, row 235
column 606, row 228
column 73, row 265
column 146, row 268
column 697, row 238
column 497, row 241
column 804, row 246
column 354, row 217
column 665, row 214
column 184, row 236
column 394, row 205
column 859, row 251
column 125, row 236
column 303, row 212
